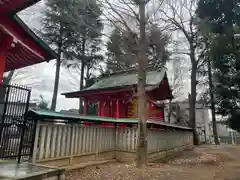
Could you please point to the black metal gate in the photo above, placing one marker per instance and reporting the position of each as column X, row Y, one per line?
column 16, row 131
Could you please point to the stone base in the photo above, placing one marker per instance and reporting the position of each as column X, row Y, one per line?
column 76, row 159
column 79, row 161
column 30, row 172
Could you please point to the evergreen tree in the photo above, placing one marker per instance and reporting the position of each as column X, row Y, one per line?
column 157, row 52
column 223, row 20
column 43, row 104
column 121, row 52
column 87, row 37
column 57, row 32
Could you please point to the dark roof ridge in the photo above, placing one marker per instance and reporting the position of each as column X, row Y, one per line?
column 132, row 70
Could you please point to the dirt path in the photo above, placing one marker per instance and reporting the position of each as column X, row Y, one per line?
column 203, row 163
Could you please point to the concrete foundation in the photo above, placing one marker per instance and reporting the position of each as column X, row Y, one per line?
column 30, row 172
column 121, row 156
column 77, row 159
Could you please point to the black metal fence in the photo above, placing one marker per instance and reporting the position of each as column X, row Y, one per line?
column 16, row 131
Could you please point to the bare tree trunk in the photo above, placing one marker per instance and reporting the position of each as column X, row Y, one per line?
column 178, row 112
column 142, row 154
column 81, row 86
column 193, row 99
column 82, row 75
column 57, row 75
column 169, row 111
column 212, row 100
column 190, row 108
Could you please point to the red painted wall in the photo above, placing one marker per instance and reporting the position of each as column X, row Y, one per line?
column 126, row 110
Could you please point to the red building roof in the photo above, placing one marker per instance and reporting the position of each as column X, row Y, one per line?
column 14, row 6
column 27, row 49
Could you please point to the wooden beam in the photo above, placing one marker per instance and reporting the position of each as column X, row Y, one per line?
column 5, row 45
column 16, row 31
column 2, row 67
column 99, row 107
column 117, row 108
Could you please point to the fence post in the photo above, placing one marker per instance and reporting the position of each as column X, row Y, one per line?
column 115, row 140
column 72, row 144
column 97, row 142
column 35, row 143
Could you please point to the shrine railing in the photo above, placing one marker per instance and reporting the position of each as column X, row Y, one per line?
column 64, row 144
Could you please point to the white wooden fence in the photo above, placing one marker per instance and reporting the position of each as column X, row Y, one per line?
column 56, row 141
column 164, row 140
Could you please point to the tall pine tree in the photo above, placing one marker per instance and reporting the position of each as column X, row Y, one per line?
column 87, row 35
column 57, row 32
column 223, row 20
column 121, row 52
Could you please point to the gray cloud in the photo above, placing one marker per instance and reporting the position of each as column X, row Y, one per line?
column 44, row 73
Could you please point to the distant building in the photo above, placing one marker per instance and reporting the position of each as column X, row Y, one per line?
column 202, row 116
column 222, row 129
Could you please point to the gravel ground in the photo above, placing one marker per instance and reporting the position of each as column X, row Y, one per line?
column 202, row 163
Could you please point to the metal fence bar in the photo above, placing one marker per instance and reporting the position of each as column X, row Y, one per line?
column 16, row 131
column 24, row 127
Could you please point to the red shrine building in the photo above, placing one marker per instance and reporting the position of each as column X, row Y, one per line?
column 116, row 94
column 19, row 46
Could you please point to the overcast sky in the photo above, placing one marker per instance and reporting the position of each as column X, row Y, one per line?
column 42, row 75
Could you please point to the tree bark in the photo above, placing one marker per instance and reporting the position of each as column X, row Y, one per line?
column 178, row 113
column 82, row 75
column 212, row 101
column 56, row 83
column 142, row 159
column 170, row 111
column 193, row 99
column 81, row 87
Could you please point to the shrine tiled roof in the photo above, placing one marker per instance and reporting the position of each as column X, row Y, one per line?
column 126, row 79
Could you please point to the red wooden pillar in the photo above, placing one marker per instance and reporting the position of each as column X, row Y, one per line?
column 112, row 108
column 85, row 106
column 108, row 108
column 2, row 67
column 117, row 109
column 99, row 107
column 5, row 45
column 150, row 109
column 103, row 108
